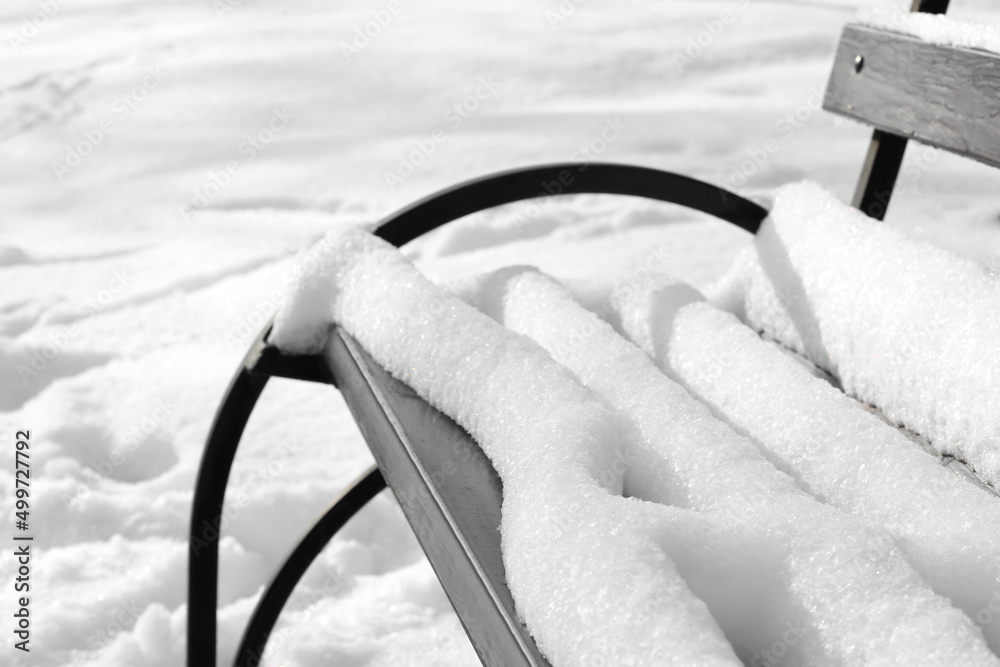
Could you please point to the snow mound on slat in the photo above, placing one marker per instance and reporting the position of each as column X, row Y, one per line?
column 839, row 451
column 844, row 587
column 933, row 28
column 904, row 326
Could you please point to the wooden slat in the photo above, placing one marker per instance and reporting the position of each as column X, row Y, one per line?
column 450, row 494
column 944, row 96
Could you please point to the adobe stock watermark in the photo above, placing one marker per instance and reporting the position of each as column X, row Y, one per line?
column 586, row 153
column 224, row 8
column 774, row 654
column 121, row 109
column 919, row 158
column 254, row 144
column 40, row 358
column 636, row 281
column 895, row 19
column 256, row 656
column 250, row 325
column 363, row 35
column 308, row 262
column 32, row 26
column 425, row 147
column 991, row 263
column 922, row 337
column 990, row 612
column 564, row 11
column 447, row 640
column 126, row 615
column 462, row 452
column 785, row 127
column 258, row 480
column 982, row 618
column 606, row 650
column 705, row 38
column 8, row 567
column 140, row 430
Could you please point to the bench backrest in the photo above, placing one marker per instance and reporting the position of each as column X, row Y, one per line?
column 944, row 96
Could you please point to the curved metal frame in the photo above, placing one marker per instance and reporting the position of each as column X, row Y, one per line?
column 263, row 362
column 265, row 614
column 259, row 365
column 507, row 187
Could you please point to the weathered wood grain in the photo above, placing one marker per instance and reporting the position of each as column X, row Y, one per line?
column 943, row 96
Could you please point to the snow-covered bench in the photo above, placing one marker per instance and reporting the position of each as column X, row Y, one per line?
column 905, row 87
column 446, row 486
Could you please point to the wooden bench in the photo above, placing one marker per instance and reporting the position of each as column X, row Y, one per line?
column 449, row 492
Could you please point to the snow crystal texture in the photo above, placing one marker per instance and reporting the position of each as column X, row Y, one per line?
column 933, row 28
column 904, row 326
column 837, row 450
column 588, row 568
column 714, row 556
column 871, row 607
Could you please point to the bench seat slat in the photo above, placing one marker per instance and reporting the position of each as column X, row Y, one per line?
column 944, row 96
column 450, row 494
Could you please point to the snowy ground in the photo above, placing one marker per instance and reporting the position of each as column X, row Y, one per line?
column 164, row 162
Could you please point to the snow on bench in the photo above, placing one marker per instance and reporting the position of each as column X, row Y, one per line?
column 870, row 607
column 836, row 449
column 904, row 325
column 573, row 547
column 721, row 543
column 933, row 28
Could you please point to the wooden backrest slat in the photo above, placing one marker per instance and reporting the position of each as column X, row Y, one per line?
column 944, row 96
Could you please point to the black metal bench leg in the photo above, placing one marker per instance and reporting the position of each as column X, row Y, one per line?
column 886, row 151
column 277, row 593
column 206, row 514
column 260, row 364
